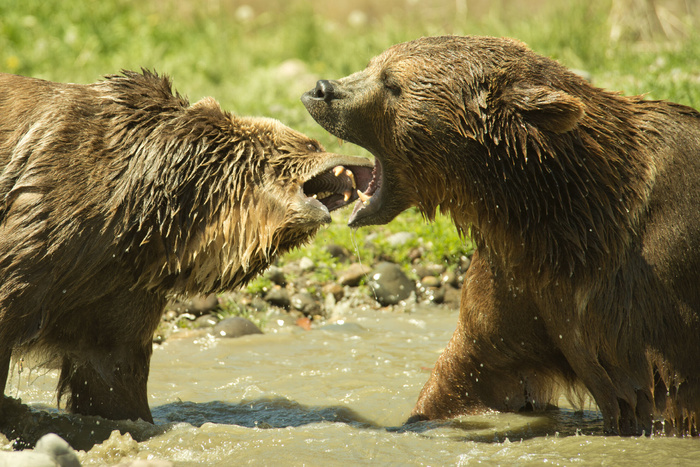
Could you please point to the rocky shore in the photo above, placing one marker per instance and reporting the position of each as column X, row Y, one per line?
column 304, row 293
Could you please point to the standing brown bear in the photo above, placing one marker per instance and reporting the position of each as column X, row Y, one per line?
column 584, row 207
column 115, row 195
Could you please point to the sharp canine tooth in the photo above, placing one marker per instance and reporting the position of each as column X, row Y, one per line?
column 338, row 170
column 315, row 196
column 352, row 177
column 363, row 197
column 347, row 195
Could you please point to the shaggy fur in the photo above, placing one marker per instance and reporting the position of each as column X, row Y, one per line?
column 114, row 196
column 584, row 206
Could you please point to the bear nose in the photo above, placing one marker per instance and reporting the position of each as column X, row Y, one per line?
column 324, row 90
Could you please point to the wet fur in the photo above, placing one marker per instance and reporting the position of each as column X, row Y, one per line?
column 584, row 206
column 114, row 196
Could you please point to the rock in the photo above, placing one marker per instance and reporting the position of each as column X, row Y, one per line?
column 353, row 274
column 306, row 303
column 430, row 281
column 205, row 321
column 334, row 289
column 258, row 304
column 450, row 278
column 277, row 321
column 278, row 296
column 435, row 294
column 197, row 306
column 276, row 276
column 51, row 451
column 235, row 326
column 452, row 297
column 306, row 264
column 464, row 263
column 338, row 252
column 389, row 284
column 400, row 238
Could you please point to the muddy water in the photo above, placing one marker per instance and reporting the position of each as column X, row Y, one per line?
column 335, row 395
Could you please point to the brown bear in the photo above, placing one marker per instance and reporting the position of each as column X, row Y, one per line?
column 115, row 196
column 584, row 208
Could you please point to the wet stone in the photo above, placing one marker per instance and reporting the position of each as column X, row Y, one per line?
column 306, row 303
column 334, row 289
column 450, row 278
column 306, row 264
column 430, row 281
column 389, row 284
column 205, row 321
column 435, row 294
column 276, row 276
column 400, row 238
column 235, row 326
column 353, row 274
column 464, row 263
column 452, row 297
column 278, row 296
column 197, row 306
column 338, row 252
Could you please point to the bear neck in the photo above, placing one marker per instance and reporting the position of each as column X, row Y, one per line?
column 210, row 230
column 565, row 205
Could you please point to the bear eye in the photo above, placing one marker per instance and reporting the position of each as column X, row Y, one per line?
column 393, row 88
column 313, row 147
column 391, row 85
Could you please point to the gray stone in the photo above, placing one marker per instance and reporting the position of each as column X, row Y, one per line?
column 389, row 284
column 235, row 326
column 197, row 305
column 276, row 276
column 306, row 303
column 205, row 321
column 353, row 274
column 278, row 296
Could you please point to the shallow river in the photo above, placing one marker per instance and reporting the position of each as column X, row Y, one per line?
column 336, row 395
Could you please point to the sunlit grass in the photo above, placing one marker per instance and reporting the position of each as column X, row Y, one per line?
column 258, row 59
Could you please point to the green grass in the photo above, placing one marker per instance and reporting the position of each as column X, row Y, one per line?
column 213, row 48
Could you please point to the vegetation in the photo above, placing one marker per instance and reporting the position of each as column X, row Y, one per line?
column 258, row 60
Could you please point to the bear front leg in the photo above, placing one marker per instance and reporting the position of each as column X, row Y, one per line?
column 113, row 388
column 500, row 356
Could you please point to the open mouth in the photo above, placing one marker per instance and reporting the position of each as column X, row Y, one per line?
column 344, row 182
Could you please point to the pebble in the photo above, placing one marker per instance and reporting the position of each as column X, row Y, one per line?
column 235, row 326
column 306, row 264
column 205, row 321
column 400, row 238
column 197, row 305
column 430, row 281
column 336, row 290
column 389, row 284
column 278, row 296
column 276, row 276
column 306, row 303
column 354, row 274
column 338, row 252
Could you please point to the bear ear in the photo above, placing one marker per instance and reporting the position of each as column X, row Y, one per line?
column 545, row 108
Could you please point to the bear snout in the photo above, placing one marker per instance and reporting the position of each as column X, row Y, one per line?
column 324, row 90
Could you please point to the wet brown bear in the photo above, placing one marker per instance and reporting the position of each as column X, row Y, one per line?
column 584, row 206
column 117, row 194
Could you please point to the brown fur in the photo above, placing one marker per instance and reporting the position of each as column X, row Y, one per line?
column 114, row 196
column 584, row 206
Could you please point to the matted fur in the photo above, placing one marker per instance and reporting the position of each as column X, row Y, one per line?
column 584, row 206
column 114, row 196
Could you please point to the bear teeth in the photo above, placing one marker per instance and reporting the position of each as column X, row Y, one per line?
column 363, row 197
